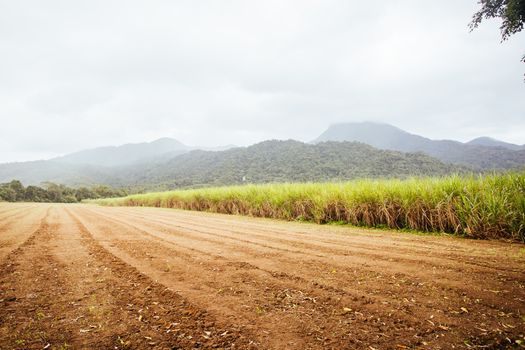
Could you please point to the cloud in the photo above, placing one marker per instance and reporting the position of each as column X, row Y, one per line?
column 75, row 75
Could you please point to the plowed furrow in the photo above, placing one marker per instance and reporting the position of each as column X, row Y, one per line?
column 312, row 245
column 399, row 282
column 394, row 297
column 86, row 277
column 154, row 314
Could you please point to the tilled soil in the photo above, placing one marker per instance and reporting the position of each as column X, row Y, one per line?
column 87, row 277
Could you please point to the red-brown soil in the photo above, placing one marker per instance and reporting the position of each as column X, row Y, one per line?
column 87, row 277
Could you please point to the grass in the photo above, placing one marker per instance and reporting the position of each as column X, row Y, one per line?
column 488, row 206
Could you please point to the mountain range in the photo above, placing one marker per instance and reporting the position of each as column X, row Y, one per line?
column 343, row 151
column 480, row 154
column 125, row 154
column 490, row 142
column 288, row 161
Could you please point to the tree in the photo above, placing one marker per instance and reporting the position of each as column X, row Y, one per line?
column 17, row 186
column 7, row 194
column 14, row 191
column 84, row 193
column 55, row 192
column 511, row 12
column 36, row 194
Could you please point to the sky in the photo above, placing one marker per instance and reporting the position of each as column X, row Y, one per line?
column 82, row 74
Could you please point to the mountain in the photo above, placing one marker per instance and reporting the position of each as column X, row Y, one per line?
column 269, row 161
column 388, row 137
column 36, row 172
column 102, row 165
column 286, row 161
column 344, row 151
column 382, row 136
column 127, row 154
column 490, row 142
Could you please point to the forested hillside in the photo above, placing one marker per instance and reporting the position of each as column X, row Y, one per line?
column 287, row 161
column 269, row 161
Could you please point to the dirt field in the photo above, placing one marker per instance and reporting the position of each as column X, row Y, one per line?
column 87, row 277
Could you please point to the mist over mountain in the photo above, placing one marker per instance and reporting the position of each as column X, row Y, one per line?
column 342, row 152
column 490, row 142
column 127, row 154
column 268, row 161
column 479, row 154
column 39, row 171
column 101, row 165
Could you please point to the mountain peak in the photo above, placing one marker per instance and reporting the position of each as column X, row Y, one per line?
column 125, row 154
column 379, row 135
column 482, row 139
column 481, row 153
column 366, row 125
column 166, row 140
column 491, row 142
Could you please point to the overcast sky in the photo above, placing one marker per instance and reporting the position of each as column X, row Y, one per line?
column 80, row 74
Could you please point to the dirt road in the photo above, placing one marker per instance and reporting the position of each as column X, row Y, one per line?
column 87, row 277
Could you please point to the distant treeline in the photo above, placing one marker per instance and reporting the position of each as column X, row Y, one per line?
column 14, row 191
